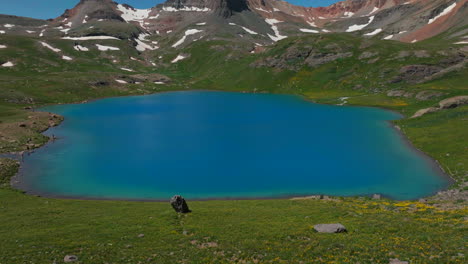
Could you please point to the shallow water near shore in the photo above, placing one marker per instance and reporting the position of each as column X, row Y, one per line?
column 221, row 145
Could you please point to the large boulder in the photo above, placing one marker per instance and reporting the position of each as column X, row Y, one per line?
column 179, row 204
column 453, row 102
column 330, row 228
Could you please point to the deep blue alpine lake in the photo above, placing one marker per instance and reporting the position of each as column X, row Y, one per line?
column 204, row 145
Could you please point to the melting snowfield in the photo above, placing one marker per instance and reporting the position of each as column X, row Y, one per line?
column 186, row 34
column 360, row 27
column 105, row 48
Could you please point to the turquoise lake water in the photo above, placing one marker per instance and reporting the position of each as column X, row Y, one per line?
column 205, row 145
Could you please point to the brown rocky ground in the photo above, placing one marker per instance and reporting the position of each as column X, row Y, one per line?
column 26, row 135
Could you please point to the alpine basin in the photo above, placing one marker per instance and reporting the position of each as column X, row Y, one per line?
column 214, row 145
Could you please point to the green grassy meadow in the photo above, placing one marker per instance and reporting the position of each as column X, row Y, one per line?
column 41, row 230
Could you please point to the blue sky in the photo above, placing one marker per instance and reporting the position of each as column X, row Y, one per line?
column 53, row 8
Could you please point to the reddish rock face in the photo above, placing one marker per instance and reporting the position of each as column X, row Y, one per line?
column 91, row 9
column 405, row 20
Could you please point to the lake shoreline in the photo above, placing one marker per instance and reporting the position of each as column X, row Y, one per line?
column 18, row 183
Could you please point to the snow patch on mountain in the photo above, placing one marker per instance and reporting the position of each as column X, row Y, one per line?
column 133, row 14
column 388, row 37
column 8, row 64
column 249, row 31
column 306, row 30
column 446, row 11
column 90, row 38
column 263, row 10
column 374, row 10
column 277, row 36
column 50, row 47
column 66, row 58
column 106, row 48
column 360, row 27
column 375, row 32
column 185, row 8
column 187, row 33
column 3, row 46
column 178, row 58
column 141, row 46
column 80, row 48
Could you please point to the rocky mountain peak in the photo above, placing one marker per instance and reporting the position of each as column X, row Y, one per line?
column 224, row 8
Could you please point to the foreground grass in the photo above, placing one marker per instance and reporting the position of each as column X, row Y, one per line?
column 39, row 230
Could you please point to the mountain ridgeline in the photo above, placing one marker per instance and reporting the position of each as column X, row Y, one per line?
column 271, row 20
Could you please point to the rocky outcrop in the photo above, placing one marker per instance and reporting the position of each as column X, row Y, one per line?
column 421, row 96
column 448, row 103
column 179, row 204
column 146, row 78
column 416, row 73
column 458, row 194
column 400, row 93
column 316, row 59
column 296, row 57
column 88, row 10
column 453, row 102
column 424, row 111
column 420, row 73
column 421, row 54
column 330, row 228
column 367, row 55
column 427, row 95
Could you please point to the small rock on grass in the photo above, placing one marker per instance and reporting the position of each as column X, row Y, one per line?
column 397, row 261
column 330, row 228
column 70, row 258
